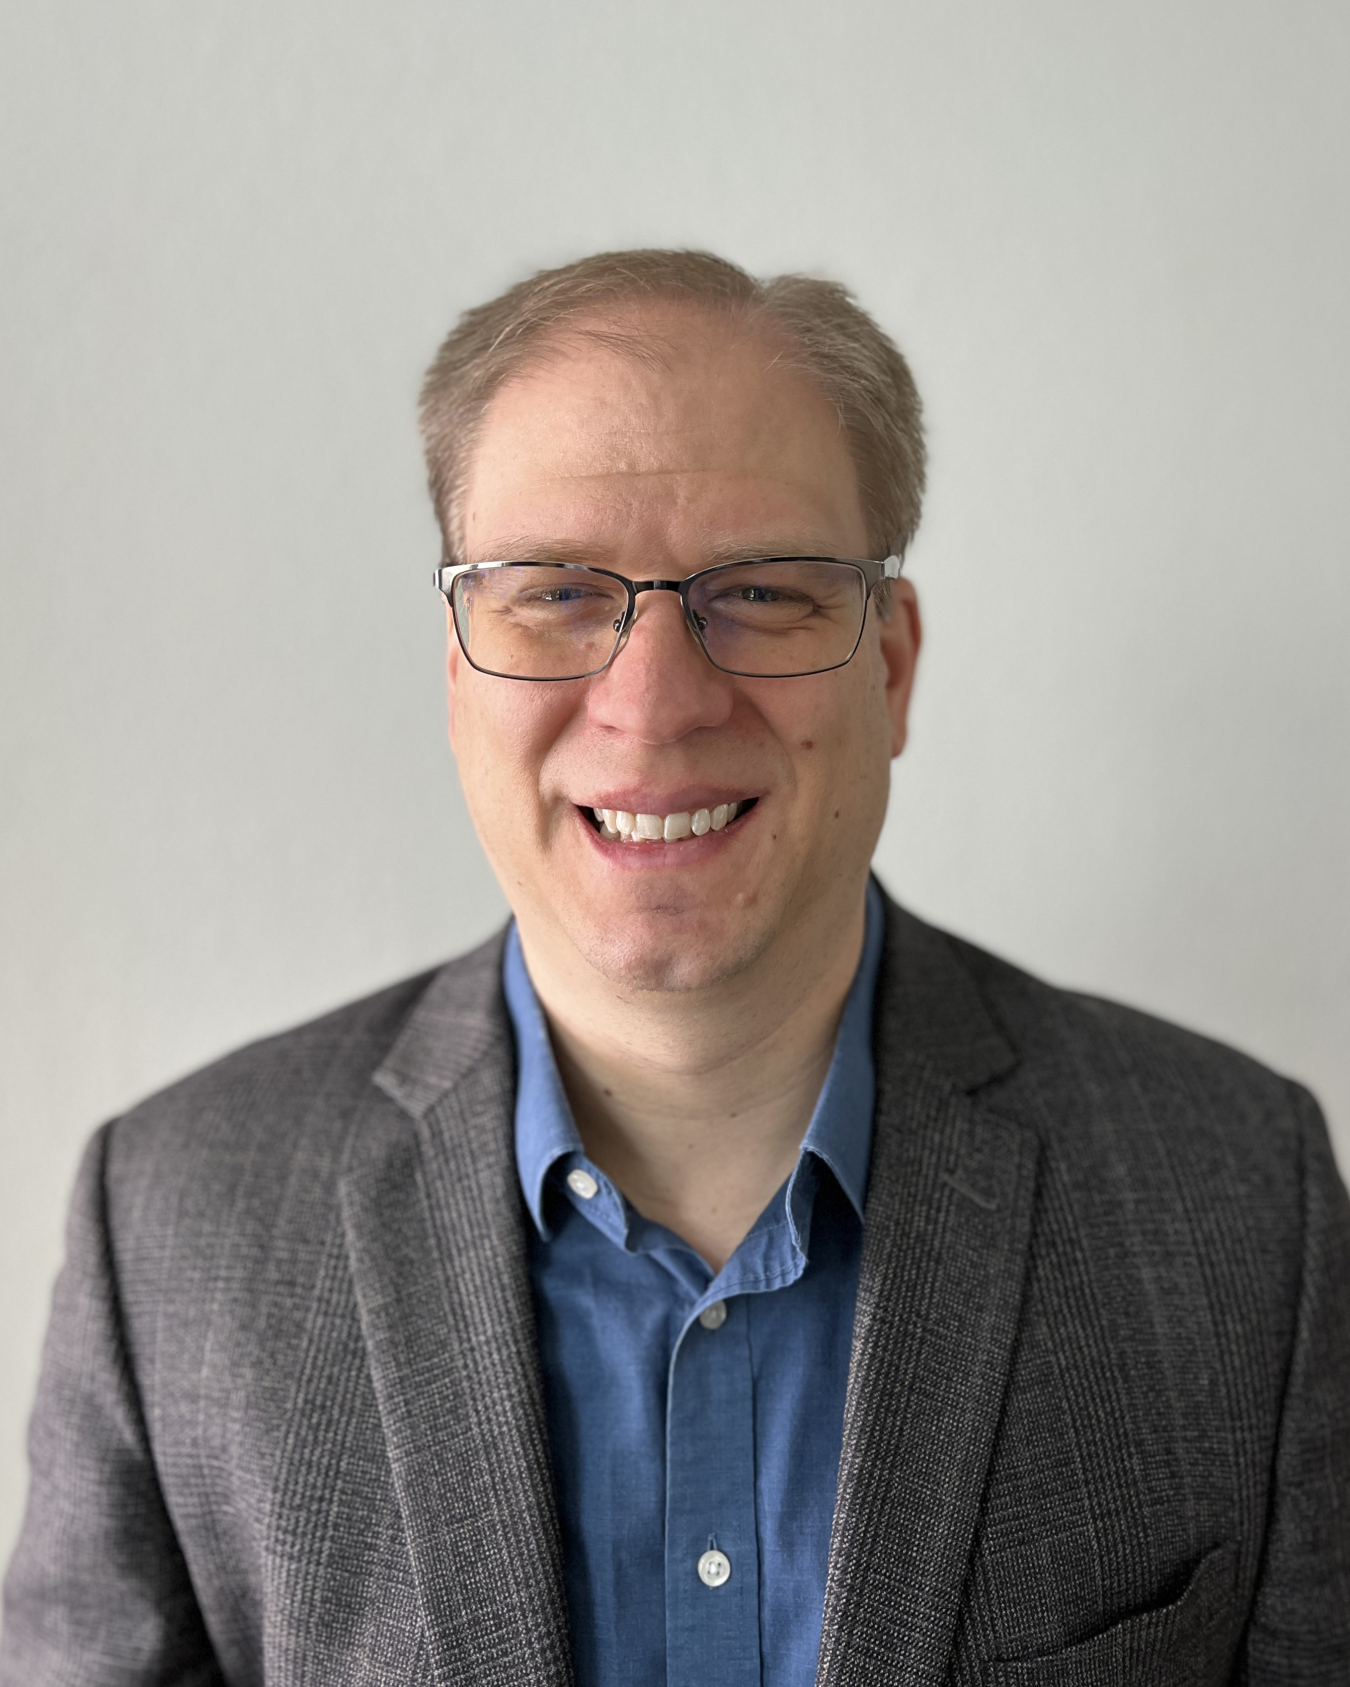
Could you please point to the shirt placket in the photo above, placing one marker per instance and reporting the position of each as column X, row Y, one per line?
column 712, row 1547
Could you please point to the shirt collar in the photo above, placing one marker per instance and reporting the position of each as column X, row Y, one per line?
column 545, row 1130
column 840, row 1132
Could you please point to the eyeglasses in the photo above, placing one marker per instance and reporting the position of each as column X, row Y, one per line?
column 771, row 618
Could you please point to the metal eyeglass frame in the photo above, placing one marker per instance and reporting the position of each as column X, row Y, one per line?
column 873, row 574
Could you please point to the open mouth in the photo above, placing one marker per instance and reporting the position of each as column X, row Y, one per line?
column 616, row 825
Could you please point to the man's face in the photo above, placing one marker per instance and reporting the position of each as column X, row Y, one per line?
column 655, row 467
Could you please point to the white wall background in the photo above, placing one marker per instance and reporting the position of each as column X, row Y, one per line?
column 1113, row 239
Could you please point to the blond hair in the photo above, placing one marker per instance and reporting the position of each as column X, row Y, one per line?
column 831, row 340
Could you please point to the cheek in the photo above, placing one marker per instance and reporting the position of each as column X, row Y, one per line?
column 503, row 732
column 844, row 779
column 869, row 719
column 835, row 726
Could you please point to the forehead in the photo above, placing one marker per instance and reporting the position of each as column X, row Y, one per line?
column 669, row 426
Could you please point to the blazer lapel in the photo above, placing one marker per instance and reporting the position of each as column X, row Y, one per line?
column 948, row 1223
column 436, row 1245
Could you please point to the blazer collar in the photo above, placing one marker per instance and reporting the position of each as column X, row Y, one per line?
column 945, row 1244
column 930, row 1006
column 459, row 1020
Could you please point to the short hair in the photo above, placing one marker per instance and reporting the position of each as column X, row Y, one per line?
column 831, row 339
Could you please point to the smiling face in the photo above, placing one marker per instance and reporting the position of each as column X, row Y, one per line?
column 655, row 467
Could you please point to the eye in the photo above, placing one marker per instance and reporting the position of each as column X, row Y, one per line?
column 761, row 595
column 561, row 594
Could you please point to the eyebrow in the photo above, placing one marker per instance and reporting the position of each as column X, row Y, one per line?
column 520, row 549
column 535, row 550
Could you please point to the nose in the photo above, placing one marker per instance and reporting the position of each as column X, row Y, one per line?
column 660, row 686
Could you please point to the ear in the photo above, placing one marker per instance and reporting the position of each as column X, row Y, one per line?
column 900, row 637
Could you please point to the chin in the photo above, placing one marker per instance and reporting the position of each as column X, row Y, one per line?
column 668, row 949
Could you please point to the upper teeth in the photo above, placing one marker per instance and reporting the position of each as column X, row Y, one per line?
column 664, row 828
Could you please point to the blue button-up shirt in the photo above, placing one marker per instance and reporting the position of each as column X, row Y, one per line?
column 673, row 1434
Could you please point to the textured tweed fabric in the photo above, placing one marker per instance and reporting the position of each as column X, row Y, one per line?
column 290, row 1431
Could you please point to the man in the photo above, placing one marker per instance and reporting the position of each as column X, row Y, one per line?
column 721, row 1277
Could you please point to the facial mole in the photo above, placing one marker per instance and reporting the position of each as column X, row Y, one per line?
column 808, row 743
column 836, row 813
column 608, row 1092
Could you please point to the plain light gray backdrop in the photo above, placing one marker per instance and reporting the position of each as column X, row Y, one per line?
column 1113, row 240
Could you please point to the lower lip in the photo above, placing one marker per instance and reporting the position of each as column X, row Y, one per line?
column 688, row 852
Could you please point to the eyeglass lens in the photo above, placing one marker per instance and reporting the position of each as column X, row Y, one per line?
column 769, row 619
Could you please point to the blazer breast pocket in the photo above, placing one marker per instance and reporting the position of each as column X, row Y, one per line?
column 1185, row 1643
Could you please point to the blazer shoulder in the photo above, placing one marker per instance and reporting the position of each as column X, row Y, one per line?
column 1082, row 1056
column 303, row 1082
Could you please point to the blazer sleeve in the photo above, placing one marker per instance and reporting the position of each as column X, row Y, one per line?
column 97, row 1593
column 1300, row 1627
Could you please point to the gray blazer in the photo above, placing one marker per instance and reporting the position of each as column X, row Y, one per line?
column 290, row 1426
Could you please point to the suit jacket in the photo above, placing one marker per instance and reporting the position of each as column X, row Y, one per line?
column 290, row 1424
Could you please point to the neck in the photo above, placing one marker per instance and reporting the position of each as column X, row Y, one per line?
column 695, row 1102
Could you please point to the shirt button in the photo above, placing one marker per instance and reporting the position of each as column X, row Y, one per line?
column 714, row 1568
column 712, row 1318
column 582, row 1183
